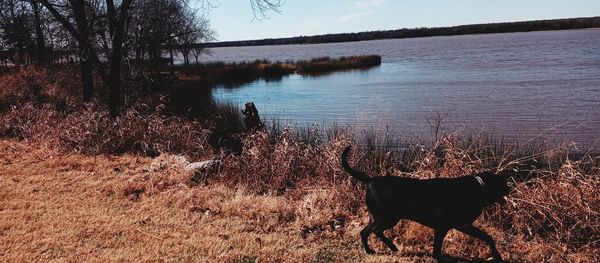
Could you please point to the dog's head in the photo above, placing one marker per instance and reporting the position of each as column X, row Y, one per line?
column 496, row 185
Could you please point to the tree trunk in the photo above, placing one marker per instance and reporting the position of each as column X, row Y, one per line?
column 171, row 57
column 85, row 50
column 42, row 56
column 139, row 56
column 114, row 82
column 186, row 59
column 114, row 79
column 155, row 56
column 87, row 77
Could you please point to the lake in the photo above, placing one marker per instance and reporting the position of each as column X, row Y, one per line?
column 519, row 86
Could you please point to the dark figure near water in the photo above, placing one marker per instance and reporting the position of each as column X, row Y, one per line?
column 442, row 204
column 251, row 118
column 221, row 140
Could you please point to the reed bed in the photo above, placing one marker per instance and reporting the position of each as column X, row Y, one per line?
column 327, row 64
column 235, row 74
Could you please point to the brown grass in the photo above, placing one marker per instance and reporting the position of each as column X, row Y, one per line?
column 92, row 131
column 40, row 86
column 58, row 207
column 282, row 202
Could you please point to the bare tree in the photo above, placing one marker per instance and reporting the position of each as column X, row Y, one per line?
column 259, row 7
column 156, row 25
column 81, row 18
column 198, row 49
column 195, row 33
column 21, row 23
column 38, row 20
column 75, row 16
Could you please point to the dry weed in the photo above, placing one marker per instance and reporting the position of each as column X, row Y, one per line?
column 316, row 217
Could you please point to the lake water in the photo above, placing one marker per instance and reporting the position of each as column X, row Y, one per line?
column 516, row 85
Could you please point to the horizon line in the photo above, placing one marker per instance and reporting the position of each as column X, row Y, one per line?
column 404, row 28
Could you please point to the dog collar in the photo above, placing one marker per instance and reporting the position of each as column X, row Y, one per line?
column 485, row 190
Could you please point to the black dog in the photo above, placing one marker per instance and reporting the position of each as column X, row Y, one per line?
column 442, row 204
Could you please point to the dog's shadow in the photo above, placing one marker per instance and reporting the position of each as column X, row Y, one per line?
column 448, row 259
column 452, row 259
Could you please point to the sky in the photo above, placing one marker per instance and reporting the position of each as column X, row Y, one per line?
column 233, row 19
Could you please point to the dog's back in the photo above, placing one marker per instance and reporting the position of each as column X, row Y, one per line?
column 431, row 202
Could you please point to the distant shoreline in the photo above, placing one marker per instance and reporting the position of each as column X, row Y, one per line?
column 508, row 27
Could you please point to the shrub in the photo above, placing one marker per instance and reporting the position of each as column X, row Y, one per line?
column 39, row 86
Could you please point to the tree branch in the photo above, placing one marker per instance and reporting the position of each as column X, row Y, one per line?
column 68, row 26
column 260, row 7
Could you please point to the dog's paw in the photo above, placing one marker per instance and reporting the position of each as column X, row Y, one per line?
column 370, row 251
column 443, row 259
column 495, row 259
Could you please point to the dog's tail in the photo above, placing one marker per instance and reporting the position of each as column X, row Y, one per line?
column 361, row 176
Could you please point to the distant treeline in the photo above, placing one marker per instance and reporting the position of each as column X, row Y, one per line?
column 539, row 25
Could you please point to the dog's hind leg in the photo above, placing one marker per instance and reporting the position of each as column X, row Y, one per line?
column 364, row 236
column 386, row 240
column 438, row 241
column 472, row 230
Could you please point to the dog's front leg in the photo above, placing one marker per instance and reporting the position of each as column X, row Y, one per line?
column 438, row 241
column 364, row 236
column 473, row 231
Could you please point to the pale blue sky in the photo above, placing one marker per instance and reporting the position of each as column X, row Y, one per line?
column 233, row 19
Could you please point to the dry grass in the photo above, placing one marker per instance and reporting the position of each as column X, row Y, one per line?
column 278, row 202
column 70, row 207
column 38, row 86
column 93, row 131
